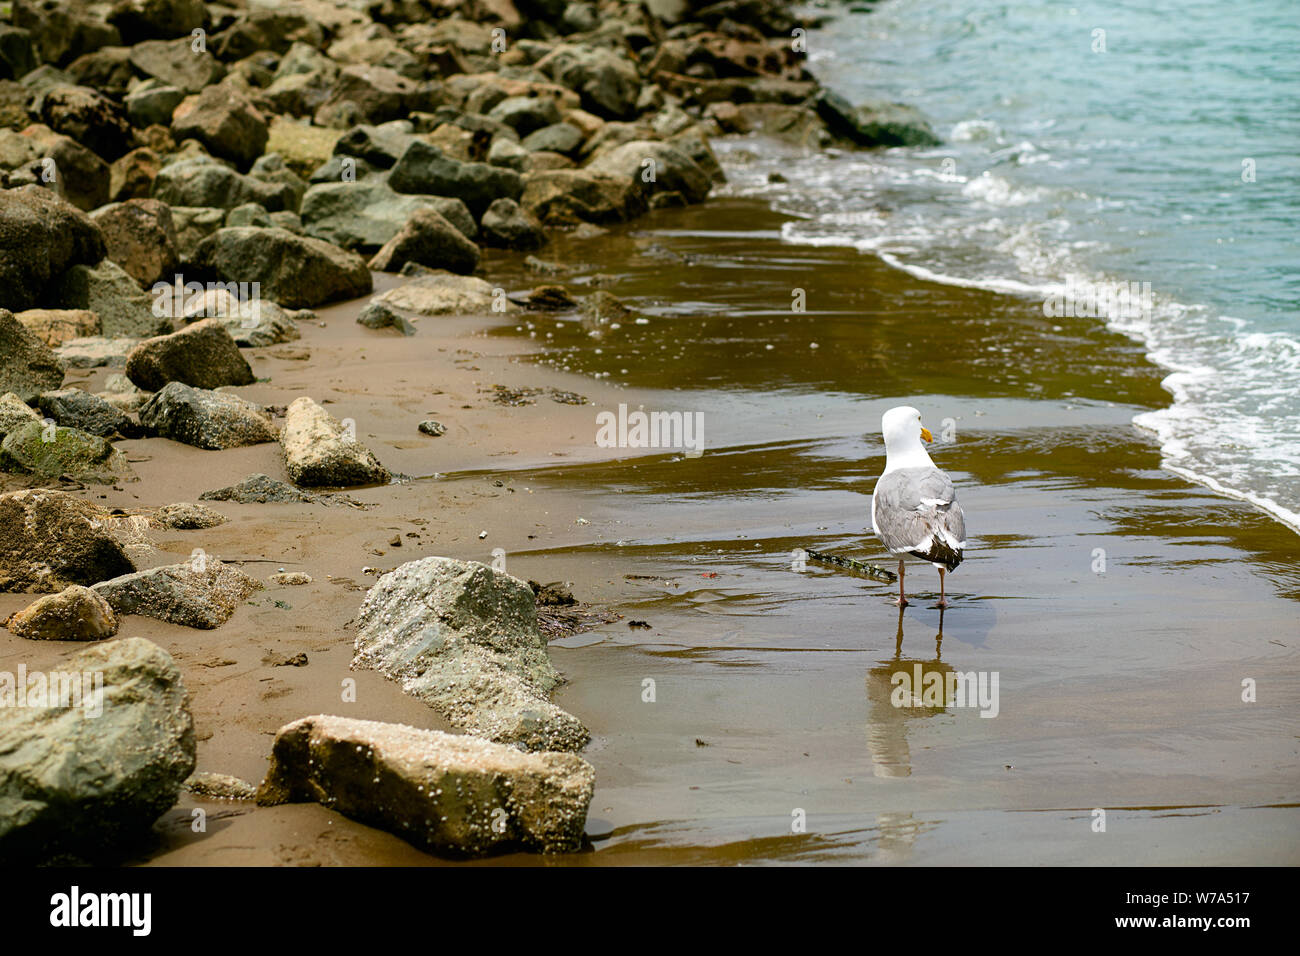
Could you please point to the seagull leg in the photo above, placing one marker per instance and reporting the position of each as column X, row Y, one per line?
column 902, row 601
column 943, row 602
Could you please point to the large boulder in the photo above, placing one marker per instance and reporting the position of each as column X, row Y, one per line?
column 430, row 240
column 140, row 237
column 56, row 451
column 74, row 408
column 654, row 167
column 51, row 539
column 295, row 271
column 124, row 309
column 74, row 614
column 202, row 354
column 463, row 638
column 424, row 168
column 202, row 592
column 366, row 214
column 206, row 419
column 446, row 793
column 570, row 196
column 204, row 182
column 875, row 124
column 41, row 236
column 27, row 366
column 320, row 450
column 225, row 121
column 88, row 772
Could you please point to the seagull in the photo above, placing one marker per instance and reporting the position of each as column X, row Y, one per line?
column 914, row 509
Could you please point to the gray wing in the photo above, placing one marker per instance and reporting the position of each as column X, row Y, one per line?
column 915, row 511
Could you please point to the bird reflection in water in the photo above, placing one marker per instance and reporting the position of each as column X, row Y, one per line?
column 907, row 682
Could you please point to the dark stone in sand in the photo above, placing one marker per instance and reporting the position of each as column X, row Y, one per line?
column 77, row 409
column 206, row 419
column 295, row 271
column 377, row 315
column 203, row 355
column 201, row 593
column 432, row 428
column 262, row 489
column 555, row 594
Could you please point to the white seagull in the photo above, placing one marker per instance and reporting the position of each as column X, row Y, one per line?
column 914, row 509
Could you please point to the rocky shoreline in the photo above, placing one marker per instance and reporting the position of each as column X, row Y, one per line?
column 183, row 183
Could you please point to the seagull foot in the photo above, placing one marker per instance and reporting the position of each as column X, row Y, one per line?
column 900, row 602
column 943, row 604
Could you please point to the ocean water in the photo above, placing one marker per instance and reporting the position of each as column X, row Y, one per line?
column 1150, row 145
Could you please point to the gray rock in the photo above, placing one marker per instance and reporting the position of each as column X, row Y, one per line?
column 202, row 181
column 225, row 121
column 55, row 451
column 571, row 196
column 556, row 138
column 430, row 240
column 432, row 428
column 874, row 124
column 249, row 214
column 203, row 355
column 206, row 419
column 506, row 152
column 176, row 64
column 27, row 366
column 66, row 167
column 108, row 290
column 41, row 236
column 295, row 271
column 424, row 168
column 671, row 169
column 95, row 351
column 186, row 516
column 90, row 779
column 121, row 394
column 526, row 114
column 608, row 83
column 380, row 146
column 74, row 614
column 262, row 489
column 201, row 593
column 153, row 102
column 51, row 539
column 444, row 293
column 442, row 792
column 365, row 215
column 89, row 117
column 464, row 639
column 377, row 315
column 253, row 324
column 194, row 224
column 74, row 408
column 320, row 450
column 507, row 225
column 140, row 236
column 14, row 412
column 220, row 786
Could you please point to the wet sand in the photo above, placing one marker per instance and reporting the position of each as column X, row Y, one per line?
column 1118, row 690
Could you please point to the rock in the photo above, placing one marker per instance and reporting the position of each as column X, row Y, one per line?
column 220, row 786
column 140, row 237
column 569, row 196
column 202, row 354
column 193, row 225
column 203, row 181
column 14, row 412
column 109, row 291
column 90, row 779
column 17, row 55
column 206, row 419
column 146, row 19
column 443, row 294
column 425, row 169
column 95, row 351
column 303, row 146
column 52, row 452
column 432, row 428
column 225, row 121
column 555, row 594
column 875, row 124
column 132, row 176
column 372, row 94
column 320, row 450
column 551, row 298
column 507, row 225
column 608, row 83
column 73, row 408
column 272, row 168
column 556, row 138
column 27, row 366
column 295, row 271
column 526, row 114
column 153, row 102
column 41, row 236
column 201, row 593
column 89, row 117
column 261, row 489
column 51, row 539
column 73, row 170
column 249, row 214
column 380, row 146
column 121, row 394
column 253, row 323
column 291, row 578
column 54, row 327
column 74, row 614
column 366, row 214
column 186, row 516
column 441, row 792
column 62, row 32
column 668, row 169
column 463, row 638
column 508, row 153
column 430, row 240
column 377, row 315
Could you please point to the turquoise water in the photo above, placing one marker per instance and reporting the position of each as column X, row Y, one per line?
column 1065, row 163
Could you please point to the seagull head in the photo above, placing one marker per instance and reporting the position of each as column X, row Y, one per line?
column 903, row 433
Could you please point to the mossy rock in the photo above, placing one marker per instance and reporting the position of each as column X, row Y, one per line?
column 52, row 451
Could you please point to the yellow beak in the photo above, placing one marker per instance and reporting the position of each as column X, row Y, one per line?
column 925, row 433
